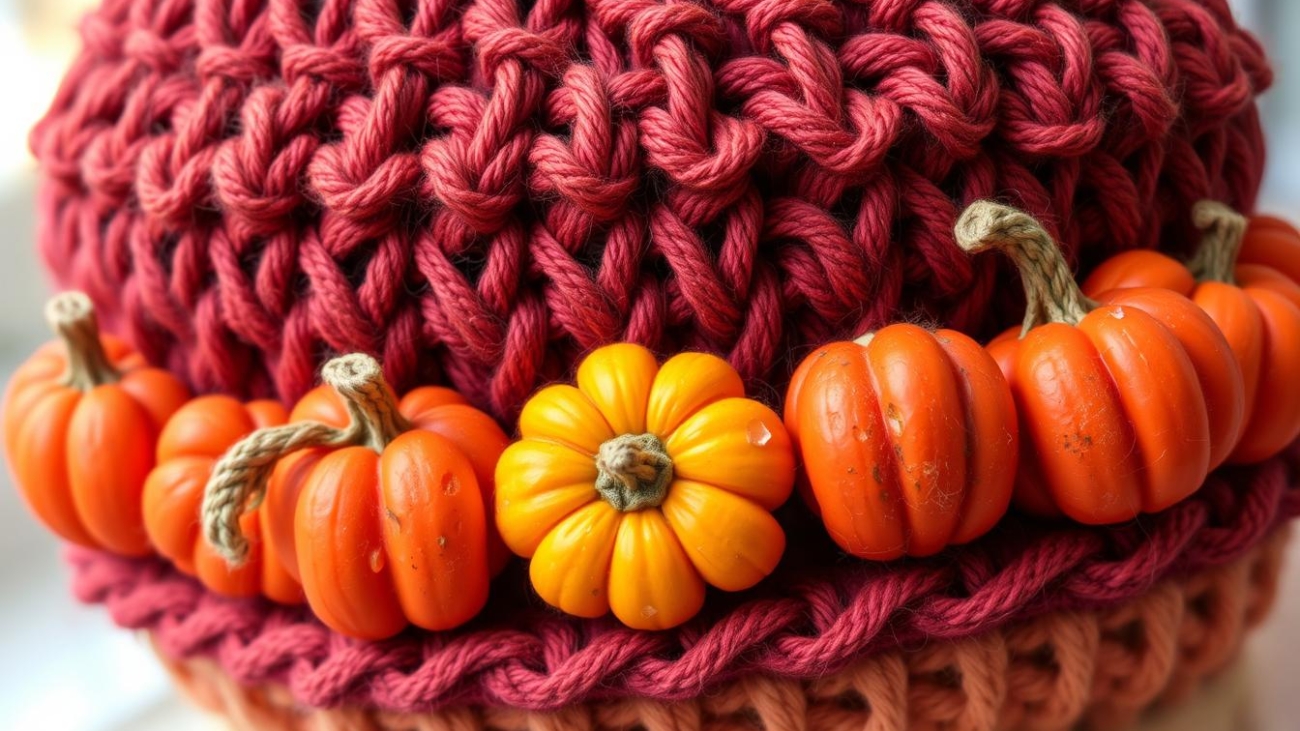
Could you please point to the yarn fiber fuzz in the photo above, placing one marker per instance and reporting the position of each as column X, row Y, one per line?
column 1051, row 673
column 808, row 623
column 477, row 191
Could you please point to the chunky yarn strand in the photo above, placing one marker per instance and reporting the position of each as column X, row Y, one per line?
column 1052, row 672
column 477, row 192
column 807, row 621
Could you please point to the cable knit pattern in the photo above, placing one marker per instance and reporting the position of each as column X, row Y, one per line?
column 476, row 191
column 1047, row 674
column 804, row 623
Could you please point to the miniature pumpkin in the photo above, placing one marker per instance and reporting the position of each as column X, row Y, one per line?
column 81, row 418
column 380, row 518
column 1260, row 321
column 190, row 444
column 905, row 436
column 1159, row 286
column 633, row 490
column 1272, row 243
column 432, row 408
column 1113, row 421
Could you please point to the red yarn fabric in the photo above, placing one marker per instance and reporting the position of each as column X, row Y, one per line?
column 805, row 622
column 476, row 191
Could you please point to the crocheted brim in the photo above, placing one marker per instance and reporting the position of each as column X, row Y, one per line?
column 1102, row 667
column 805, row 623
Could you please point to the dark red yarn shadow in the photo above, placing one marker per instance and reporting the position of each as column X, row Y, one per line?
column 246, row 187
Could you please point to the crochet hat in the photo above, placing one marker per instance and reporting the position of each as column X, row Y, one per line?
column 480, row 192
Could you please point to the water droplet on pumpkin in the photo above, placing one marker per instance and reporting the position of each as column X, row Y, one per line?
column 1117, row 313
column 376, row 560
column 758, row 433
column 450, row 485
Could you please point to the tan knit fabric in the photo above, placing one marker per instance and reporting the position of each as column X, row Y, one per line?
column 1095, row 669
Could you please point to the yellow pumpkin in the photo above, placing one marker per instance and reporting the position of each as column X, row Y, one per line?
column 633, row 489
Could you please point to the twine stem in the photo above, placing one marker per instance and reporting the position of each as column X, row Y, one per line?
column 238, row 480
column 1051, row 294
column 1222, row 230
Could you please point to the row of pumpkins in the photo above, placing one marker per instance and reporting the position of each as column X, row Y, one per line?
column 643, row 483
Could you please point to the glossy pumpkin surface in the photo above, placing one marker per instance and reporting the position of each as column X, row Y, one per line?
column 633, row 489
column 1213, row 357
column 1113, row 420
column 437, row 409
column 383, row 539
column 81, row 419
column 381, row 513
column 1273, row 243
column 905, row 440
column 1257, row 310
column 190, row 444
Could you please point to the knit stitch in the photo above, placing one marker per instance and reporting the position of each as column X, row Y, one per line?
column 477, row 191
column 808, row 620
column 1047, row 674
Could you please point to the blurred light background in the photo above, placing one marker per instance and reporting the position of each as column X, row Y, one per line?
column 64, row 667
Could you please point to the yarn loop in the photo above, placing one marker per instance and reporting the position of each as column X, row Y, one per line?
column 476, row 192
column 810, row 619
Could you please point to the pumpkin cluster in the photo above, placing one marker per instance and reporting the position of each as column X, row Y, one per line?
column 1111, row 399
column 641, row 484
column 631, row 491
column 376, row 512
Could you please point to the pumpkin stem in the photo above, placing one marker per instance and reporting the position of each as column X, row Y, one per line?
column 634, row 471
column 359, row 381
column 238, row 479
column 1051, row 294
column 71, row 316
column 1222, row 230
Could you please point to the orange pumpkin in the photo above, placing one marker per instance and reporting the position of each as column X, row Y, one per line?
column 432, row 408
column 1271, row 243
column 1113, row 421
column 377, row 507
column 906, row 436
column 191, row 443
column 1259, row 319
column 81, row 419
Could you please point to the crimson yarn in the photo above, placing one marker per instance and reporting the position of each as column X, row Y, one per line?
column 477, row 191
column 804, row 622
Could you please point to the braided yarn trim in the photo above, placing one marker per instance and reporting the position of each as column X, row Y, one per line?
column 1047, row 674
column 803, row 623
column 478, row 191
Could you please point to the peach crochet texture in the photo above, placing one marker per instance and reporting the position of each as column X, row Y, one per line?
column 804, row 623
column 1046, row 674
column 476, row 191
